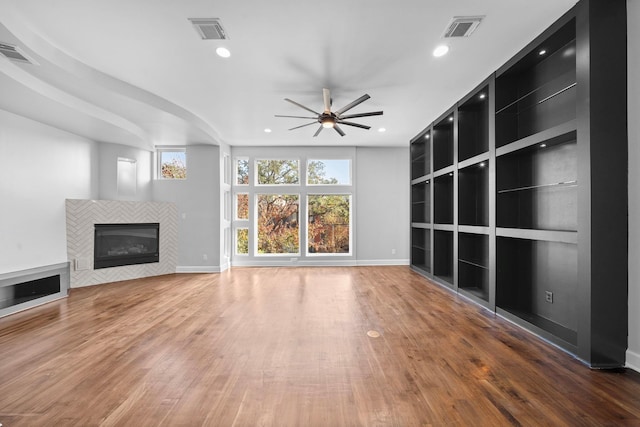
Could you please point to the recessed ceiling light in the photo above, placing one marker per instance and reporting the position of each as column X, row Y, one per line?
column 482, row 96
column 543, row 145
column 382, row 130
column 267, row 130
column 223, row 52
column 450, row 173
column 542, row 52
column 427, row 136
column 440, row 50
column 482, row 164
column 451, row 118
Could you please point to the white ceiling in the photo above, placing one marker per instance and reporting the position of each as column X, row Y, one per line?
column 136, row 72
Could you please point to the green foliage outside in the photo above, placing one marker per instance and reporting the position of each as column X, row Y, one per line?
column 278, row 225
column 316, row 174
column 242, row 241
column 328, row 228
column 242, row 176
column 278, row 172
column 278, row 215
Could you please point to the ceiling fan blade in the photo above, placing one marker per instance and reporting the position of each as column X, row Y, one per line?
column 353, row 104
column 353, row 116
column 337, row 128
column 297, row 117
column 301, row 126
column 318, row 131
column 358, row 125
column 302, row 106
column 326, row 95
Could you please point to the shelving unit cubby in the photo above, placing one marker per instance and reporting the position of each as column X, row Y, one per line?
column 473, row 125
column 473, row 194
column 529, row 188
column 442, row 137
column 421, row 156
column 421, row 202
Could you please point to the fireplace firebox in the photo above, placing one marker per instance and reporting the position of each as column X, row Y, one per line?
column 125, row 244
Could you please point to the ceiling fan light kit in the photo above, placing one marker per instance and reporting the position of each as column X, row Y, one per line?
column 329, row 119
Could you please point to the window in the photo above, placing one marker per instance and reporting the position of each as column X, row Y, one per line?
column 328, row 225
column 172, row 163
column 242, row 206
column 278, row 224
column 276, row 172
column 242, row 241
column 329, row 172
column 242, row 171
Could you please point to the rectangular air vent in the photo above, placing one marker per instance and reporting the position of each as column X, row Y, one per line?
column 209, row 28
column 462, row 26
column 13, row 53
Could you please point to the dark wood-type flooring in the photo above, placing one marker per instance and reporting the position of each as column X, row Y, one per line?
column 292, row 347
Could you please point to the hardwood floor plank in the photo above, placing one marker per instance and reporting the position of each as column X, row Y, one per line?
column 353, row 346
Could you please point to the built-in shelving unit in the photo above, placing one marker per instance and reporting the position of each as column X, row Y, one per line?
column 526, row 187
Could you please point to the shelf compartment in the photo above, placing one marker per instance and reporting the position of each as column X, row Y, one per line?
column 473, row 125
column 443, row 199
column 443, row 255
column 473, row 264
column 421, row 155
column 473, row 195
column 539, row 91
column 442, row 138
column 421, row 248
column 421, row 202
column 526, row 271
column 537, row 187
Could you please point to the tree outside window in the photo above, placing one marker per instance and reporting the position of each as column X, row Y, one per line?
column 274, row 172
column 328, row 224
column 242, row 241
column 242, row 206
column 242, row 171
column 172, row 164
column 278, row 224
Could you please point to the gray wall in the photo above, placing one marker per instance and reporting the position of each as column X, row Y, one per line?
column 382, row 218
column 198, row 202
column 633, row 40
column 41, row 167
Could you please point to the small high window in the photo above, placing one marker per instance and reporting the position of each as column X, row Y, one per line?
column 172, row 163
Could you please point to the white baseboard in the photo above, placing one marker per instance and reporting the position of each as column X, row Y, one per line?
column 375, row 262
column 633, row 360
column 197, row 269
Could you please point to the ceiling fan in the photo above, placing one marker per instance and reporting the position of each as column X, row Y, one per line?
column 329, row 119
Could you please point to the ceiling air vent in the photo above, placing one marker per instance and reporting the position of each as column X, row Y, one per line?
column 14, row 53
column 462, row 26
column 209, row 28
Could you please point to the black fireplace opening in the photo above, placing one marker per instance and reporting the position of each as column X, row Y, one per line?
column 125, row 244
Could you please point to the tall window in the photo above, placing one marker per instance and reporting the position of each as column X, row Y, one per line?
column 172, row 163
column 278, row 224
column 242, row 241
column 242, row 206
column 328, row 224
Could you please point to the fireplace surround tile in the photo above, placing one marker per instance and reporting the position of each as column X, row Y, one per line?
column 83, row 214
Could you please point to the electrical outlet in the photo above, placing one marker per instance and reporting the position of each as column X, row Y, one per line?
column 393, row 251
column 548, row 297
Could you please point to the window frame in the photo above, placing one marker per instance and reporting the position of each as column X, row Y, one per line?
column 332, row 254
column 349, row 184
column 256, row 242
column 170, row 149
column 284, row 158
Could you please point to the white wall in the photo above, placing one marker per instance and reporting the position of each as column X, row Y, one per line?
column 382, row 205
column 40, row 168
column 633, row 40
column 198, row 202
column 109, row 154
